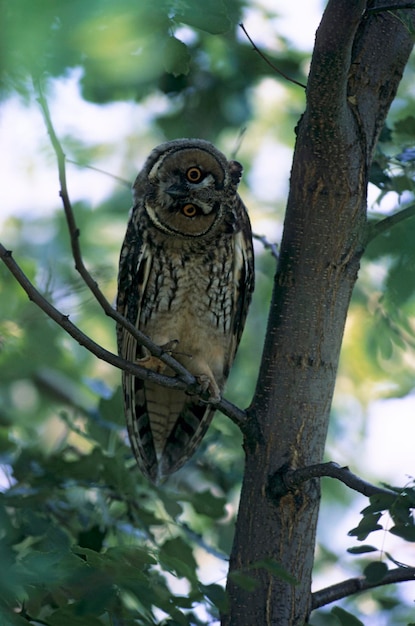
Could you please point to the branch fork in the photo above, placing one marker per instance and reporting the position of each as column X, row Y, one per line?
column 287, row 480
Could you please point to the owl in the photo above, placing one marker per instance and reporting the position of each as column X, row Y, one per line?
column 186, row 277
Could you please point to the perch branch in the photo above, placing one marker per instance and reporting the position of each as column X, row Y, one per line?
column 294, row 478
column 64, row 322
column 268, row 62
column 374, row 230
column 354, row 585
column 233, row 412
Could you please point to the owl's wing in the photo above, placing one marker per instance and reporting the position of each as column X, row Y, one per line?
column 243, row 279
column 134, row 268
column 192, row 419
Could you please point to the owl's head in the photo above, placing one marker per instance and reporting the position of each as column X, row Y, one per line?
column 187, row 187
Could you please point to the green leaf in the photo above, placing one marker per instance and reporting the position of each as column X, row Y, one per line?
column 362, row 549
column 376, row 571
column 176, row 57
column 134, row 556
column 217, row 595
column 67, row 616
column 92, row 538
column 205, row 503
column 405, row 531
column 209, row 15
column 400, row 281
column 173, row 508
column 406, row 126
column 93, row 558
column 345, row 618
column 367, row 525
column 177, row 556
column 47, row 568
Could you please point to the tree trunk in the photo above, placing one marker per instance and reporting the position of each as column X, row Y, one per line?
column 356, row 67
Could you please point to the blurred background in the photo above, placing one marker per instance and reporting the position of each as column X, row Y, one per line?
column 120, row 78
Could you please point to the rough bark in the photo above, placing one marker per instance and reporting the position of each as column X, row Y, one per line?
column 356, row 67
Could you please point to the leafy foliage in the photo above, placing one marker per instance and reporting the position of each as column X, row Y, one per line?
column 400, row 509
column 84, row 539
column 134, row 49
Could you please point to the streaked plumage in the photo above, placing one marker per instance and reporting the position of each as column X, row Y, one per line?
column 185, row 279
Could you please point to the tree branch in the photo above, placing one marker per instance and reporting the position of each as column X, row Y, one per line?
column 188, row 384
column 268, row 62
column 381, row 226
column 272, row 247
column 63, row 321
column 331, row 59
column 355, row 585
column 291, row 479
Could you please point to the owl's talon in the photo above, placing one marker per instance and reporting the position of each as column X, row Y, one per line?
column 170, row 346
column 155, row 364
column 152, row 363
column 209, row 386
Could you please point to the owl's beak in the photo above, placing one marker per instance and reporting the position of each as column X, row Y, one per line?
column 176, row 191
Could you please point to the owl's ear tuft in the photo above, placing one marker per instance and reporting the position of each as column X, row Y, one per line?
column 235, row 171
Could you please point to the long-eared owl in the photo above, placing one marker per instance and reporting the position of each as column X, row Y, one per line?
column 185, row 279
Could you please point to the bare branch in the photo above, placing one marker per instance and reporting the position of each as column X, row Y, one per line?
column 64, row 322
column 273, row 247
column 118, row 179
column 378, row 228
column 355, row 585
column 268, row 62
column 189, row 384
column 293, row 478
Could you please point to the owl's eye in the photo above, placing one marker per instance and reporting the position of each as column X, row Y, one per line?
column 194, row 174
column 189, row 210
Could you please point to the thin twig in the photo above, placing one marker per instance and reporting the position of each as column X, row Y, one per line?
column 118, row 179
column 294, row 478
column 227, row 408
column 354, row 585
column 376, row 229
column 291, row 80
column 273, row 247
column 74, row 234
